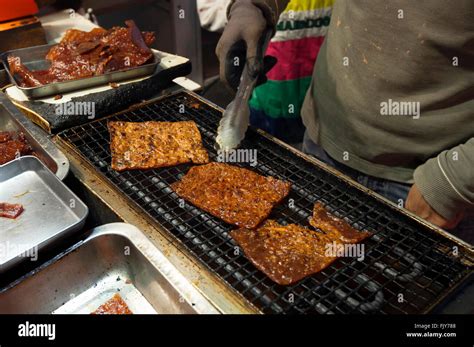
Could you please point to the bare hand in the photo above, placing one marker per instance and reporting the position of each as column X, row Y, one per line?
column 417, row 204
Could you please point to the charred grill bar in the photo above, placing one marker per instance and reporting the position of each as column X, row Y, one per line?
column 408, row 267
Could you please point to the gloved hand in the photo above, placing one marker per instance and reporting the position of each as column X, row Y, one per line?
column 242, row 41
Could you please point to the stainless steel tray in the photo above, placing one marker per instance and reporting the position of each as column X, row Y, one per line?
column 34, row 59
column 11, row 119
column 51, row 210
column 114, row 258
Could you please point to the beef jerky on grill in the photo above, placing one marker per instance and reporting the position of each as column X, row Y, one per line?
column 289, row 253
column 286, row 254
column 149, row 145
column 237, row 196
column 334, row 227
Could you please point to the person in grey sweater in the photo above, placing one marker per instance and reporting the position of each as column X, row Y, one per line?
column 392, row 98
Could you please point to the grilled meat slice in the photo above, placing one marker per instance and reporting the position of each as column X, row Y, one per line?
column 334, row 227
column 286, row 254
column 289, row 253
column 235, row 195
column 149, row 145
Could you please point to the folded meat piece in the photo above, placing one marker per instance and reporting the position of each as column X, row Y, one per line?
column 85, row 54
column 148, row 145
column 286, row 254
column 235, row 195
column 115, row 305
column 289, row 253
column 336, row 228
column 12, row 146
column 11, row 211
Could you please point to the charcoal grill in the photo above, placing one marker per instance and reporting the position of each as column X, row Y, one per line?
column 409, row 266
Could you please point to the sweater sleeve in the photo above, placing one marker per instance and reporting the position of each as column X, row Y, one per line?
column 447, row 181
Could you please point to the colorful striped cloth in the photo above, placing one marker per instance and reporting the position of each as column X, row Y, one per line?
column 275, row 106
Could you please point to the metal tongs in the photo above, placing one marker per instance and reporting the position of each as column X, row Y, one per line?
column 236, row 117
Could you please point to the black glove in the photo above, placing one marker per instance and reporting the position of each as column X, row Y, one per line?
column 242, row 42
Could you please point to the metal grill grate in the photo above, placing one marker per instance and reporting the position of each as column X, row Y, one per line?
column 406, row 268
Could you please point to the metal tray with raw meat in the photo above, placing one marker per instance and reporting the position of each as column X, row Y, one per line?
column 114, row 258
column 11, row 119
column 409, row 266
column 34, row 59
column 51, row 210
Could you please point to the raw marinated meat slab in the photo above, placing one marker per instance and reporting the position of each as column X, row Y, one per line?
column 11, row 211
column 83, row 54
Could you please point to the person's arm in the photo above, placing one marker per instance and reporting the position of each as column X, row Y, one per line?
column 446, row 183
column 242, row 39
